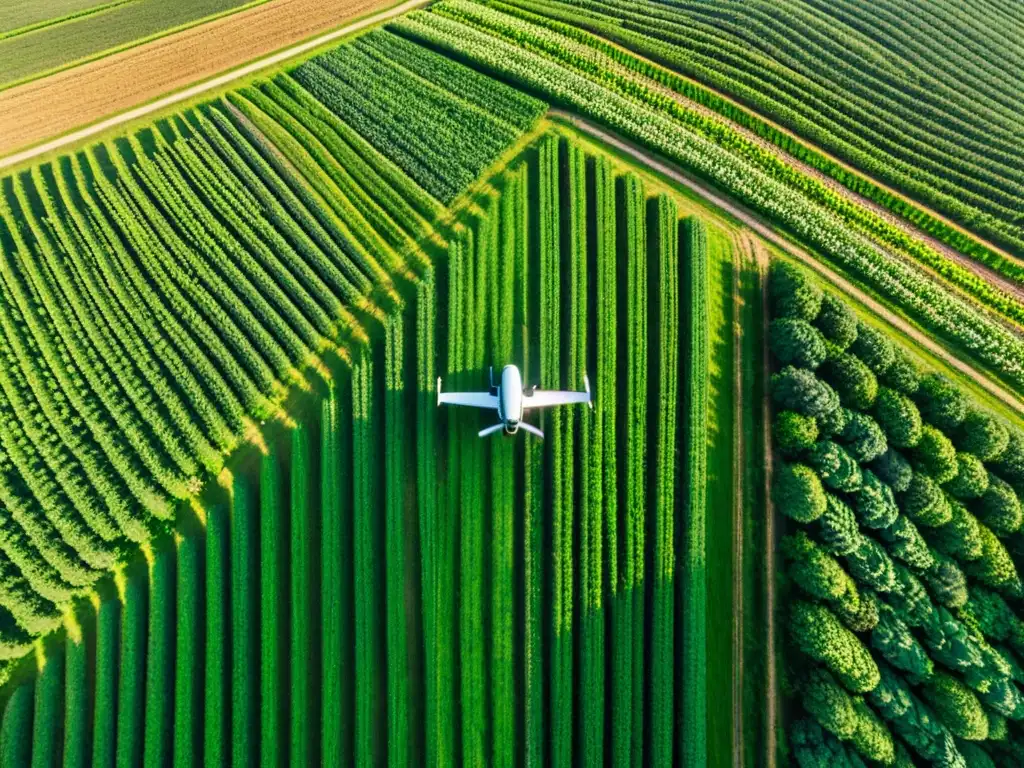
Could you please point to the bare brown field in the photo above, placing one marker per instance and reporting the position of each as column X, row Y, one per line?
column 76, row 97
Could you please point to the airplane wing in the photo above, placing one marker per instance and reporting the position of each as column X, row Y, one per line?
column 546, row 398
column 472, row 399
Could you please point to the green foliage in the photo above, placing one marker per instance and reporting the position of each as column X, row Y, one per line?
column 894, row 470
column 871, row 738
column 904, row 542
column 873, row 348
column 861, row 615
column 797, row 389
column 854, row 382
column 961, row 536
column 999, row 507
column 796, row 342
column 935, row 455
column 836, row 322
column 839, row 532
column 957, row 707
column 899, row 417
column 814, row 747
column 874, row 502
column 946, row 581
column 793, row 432
column 971, row 480
column 995, row 568
column 983, row 435
column 863, row 438
column 871, row 567
column 942, row 404
column 925, row 503
column 832, row 424
column 792, row 293
column 818, row 633
column 1010, row 466
column 902, row 375
column 826, row 701
column 893, row 639
column 797, row 492
column 836, row 468
column 817, row 572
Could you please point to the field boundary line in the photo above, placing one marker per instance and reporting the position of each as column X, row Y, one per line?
column 800, row 254
column 54, row 21
column 206, row 86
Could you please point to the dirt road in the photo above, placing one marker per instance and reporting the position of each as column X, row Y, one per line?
column 764, row 230
column 81, row 96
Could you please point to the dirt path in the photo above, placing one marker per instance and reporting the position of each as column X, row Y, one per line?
column 764, row 230
column 83, row 95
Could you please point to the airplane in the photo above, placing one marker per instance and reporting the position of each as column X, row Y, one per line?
column 510, row 399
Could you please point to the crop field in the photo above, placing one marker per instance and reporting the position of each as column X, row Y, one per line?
column 236, row 526
column 81, row 36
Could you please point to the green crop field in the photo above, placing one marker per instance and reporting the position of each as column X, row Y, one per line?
column 237, row 528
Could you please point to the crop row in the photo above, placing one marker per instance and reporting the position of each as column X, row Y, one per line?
column 923, row 298
column 602, row 34
column 951, row 150
column 897, row 478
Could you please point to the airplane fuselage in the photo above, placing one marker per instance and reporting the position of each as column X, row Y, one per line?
column 510, row 398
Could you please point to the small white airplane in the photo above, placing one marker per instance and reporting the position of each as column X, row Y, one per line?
column 510, row 399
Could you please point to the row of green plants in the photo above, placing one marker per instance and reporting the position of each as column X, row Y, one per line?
column 902, row 583
column 441, row 122
column 506, row 46
column 607, row 36
column 164, row 292
column 945, row 144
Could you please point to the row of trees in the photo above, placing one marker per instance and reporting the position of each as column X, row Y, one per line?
column 903, row 542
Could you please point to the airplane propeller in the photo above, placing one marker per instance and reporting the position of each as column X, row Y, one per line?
column 491, row 430
column 531, row 429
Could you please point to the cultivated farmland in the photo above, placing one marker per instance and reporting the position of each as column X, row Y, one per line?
column 236, row 527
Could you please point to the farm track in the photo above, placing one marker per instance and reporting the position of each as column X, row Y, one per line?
column 62, row 103
column 765, row 230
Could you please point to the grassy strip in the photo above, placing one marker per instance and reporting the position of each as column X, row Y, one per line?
column 272, row 541
column 188, row 689
column 215, row 696
column 663, row 389
column 49, row 706
column 77, row 692
column 693, row 735
column 244, row 689
column 15, row 749
column 160, row 658
column 302, row 706
column 132, row 672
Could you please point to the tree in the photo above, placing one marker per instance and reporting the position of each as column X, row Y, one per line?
column 995, row 567
column 839, row 532
column 874, row 502
column 814, row 747
column 871, row 567
column 905, row 543
column 859, row 616
column 902, row 375
column 957, row 707
column 818, row 633
column 836, row 468
column 971, row 479
column 994, row 618
column 817, row 572
column 791, row 292
column 794, row 433
column 837, row 322
column 999, row 508
column 975, row 756
column 925, row 503
column 1010, row 465
column 961, row 536
column 797, row 492
column 863, row 438
column 894, row 470
column 871, row 738
column 827, row 702
column 946, row 582
column 834, row 423
column 873, row 348
column 852, row 380
column 898, row 417
column 893, row 639
column 797, row 389
column 935, row 455
column 941, row 403
column 983, row 435
column 796, row 342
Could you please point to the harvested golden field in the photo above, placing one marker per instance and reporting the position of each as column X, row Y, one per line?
column 80, row 96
